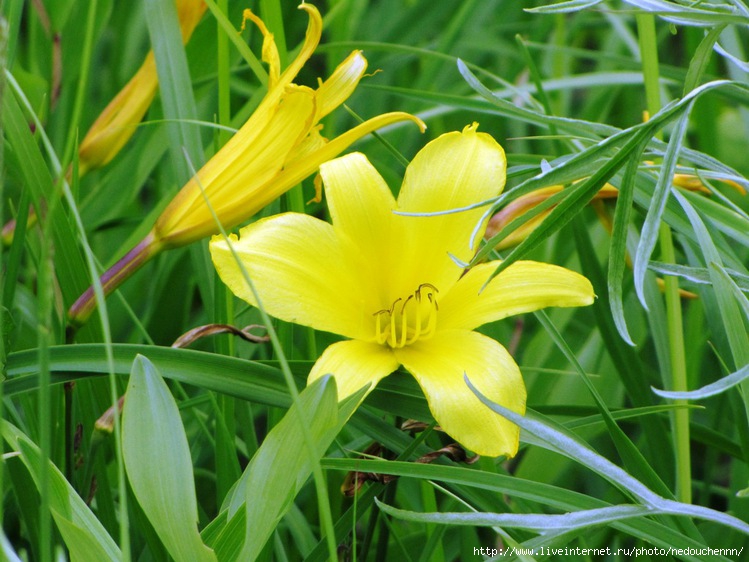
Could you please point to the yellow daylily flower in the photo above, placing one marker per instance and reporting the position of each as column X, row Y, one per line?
column 390, row 284
column 275, row 149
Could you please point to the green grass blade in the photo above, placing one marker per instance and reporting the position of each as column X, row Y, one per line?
column 701, row 57
column 499, row 484
column 555, row 440
column 618, row 247
column 649, row 235
column 531, row 521
column 175, row 85
column 712, row 389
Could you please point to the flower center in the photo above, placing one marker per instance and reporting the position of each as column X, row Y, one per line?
column 408, row 319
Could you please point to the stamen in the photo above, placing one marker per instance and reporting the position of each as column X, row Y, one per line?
column 406, row 325
column 381, row 337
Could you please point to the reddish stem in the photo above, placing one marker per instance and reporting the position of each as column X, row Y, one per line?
column 114, row 277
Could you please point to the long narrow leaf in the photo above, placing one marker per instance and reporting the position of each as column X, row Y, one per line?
column 562, row 443
column 712, row 389
column 649, row 235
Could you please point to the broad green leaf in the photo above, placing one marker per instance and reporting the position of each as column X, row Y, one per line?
column 281, row 466
column 82, row 532
column 158, row 464
column 259, row 382
column 244, row 379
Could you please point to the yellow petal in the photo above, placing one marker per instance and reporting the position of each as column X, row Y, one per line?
column 303, row 272
column 189, row 13
column 354, row 364
column 439, row 365
column 312, row 143
column 361, row 206
column 296, row 169
column 269, row 105
column 453, row 171
column 524, row 286
column 341, row 84
column 311, row 40
column 270, row 50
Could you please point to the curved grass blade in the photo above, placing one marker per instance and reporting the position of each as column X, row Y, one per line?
column 457, row 477
column 564, row 7
column 712, row 389
column 158, row 463
column 701, row 57
column 699, row 275
column 729, row 309
column 551, row 438
column 688, row 15
column 536, row 522
column 649, row 235
column 618, row 247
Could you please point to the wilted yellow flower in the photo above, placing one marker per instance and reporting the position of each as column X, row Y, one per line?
column 525, row 203
column 388, row 283
column 274, row 150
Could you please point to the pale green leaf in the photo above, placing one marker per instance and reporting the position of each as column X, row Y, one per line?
column 158, row 464
column 709, row 390
column 80, row 529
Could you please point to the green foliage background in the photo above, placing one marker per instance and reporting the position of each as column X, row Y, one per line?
column 563, row 88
